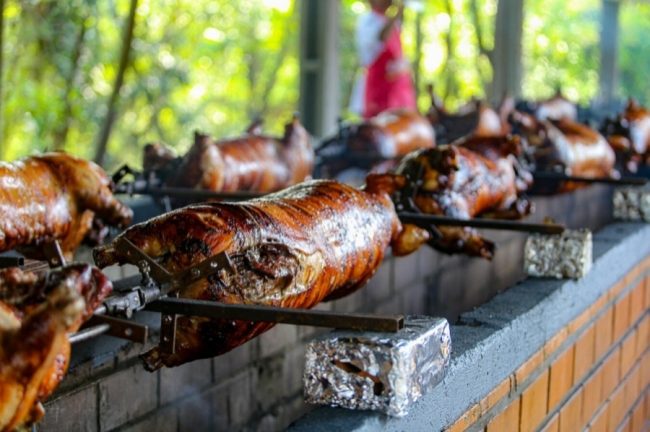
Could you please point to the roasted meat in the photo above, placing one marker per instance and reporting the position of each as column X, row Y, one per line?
column 254, row 162
column 36, row 314
column 476, row 118
column 54, row 196
column 391, row 134
column 458, row 182
column 567, row 147
column 316, row 241
column 629, row 136
column 375, row 145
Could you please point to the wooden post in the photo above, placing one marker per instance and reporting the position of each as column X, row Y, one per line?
column 319, row 65
column 609, row 31
column 507, row 50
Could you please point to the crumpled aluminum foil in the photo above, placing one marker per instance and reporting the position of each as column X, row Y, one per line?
column 384, row 372
column 568, row 255
column 632, row 203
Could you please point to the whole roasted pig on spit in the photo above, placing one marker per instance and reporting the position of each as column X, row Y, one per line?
column 316, row 241
column 477, row 176
column 254, row 162
column 36, row 315
column 629, row 136
column 55, row 196
column 567, row 147
column 375, row 144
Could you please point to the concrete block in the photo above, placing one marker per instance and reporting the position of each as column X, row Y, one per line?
column 384, row 372
column 277, row 339
column 240, row 399
column 632, row 204
column 568, row 255
column 72, row 412
column 126, row 395
column 195, row 414
column 182, row 381
column 227, row 365
column 163, row 420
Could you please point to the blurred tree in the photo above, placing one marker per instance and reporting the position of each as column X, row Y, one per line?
column 214, row 65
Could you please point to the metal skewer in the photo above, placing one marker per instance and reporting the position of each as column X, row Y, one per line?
column 88, row 333
column 426, row 220
column 202, row 308
column 556, row 177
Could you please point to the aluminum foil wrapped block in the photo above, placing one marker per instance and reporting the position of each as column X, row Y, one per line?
column 568, row 255
column 632, row 204
column 384, row 372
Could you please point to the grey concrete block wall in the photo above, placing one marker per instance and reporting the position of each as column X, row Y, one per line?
column 258, row 385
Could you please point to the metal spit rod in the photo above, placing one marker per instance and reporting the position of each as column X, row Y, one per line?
column 88, row 333
column 421, row 219
column 317, row 318
column 556, row 177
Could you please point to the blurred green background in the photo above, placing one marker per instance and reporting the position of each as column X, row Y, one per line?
column 214, row 65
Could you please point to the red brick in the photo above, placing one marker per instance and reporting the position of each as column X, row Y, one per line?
column 599, row 422
column 507, row 419
column 642, row 334
column 570, row 415
column 633, row 386
column 497, row 394
column 553, row 425
column 647, row 293
column 528, row 367
column 466, row 420
column 591, row 396
column 645, row 371
column 533, row 403
column 603, row 338
column 616, row 289
column 579, row 321
column 621, row 317
column 584, row 355
column 610, row 372
column 561, row 378
column 628, row 351
column 616, row 409
column 636, row 302
column 637, row 417
column 554, row 343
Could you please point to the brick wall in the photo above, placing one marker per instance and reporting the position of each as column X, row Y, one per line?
column 594, row 373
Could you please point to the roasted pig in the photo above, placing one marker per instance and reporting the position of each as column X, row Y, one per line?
column 376, row 144
column 471, row 178
column 36, row 314
column 55, row 196
column 254, row 162
column 316, row 241
column 629, row 136
column 567, row 147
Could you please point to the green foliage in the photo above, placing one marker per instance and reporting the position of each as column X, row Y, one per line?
column 634, row 51
column 561, row 49
column 214, row 65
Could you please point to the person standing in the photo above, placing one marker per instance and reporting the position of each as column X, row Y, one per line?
column 386, row 80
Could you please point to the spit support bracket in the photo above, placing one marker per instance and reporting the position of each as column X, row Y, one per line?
column 171, row 308
column 53, row 254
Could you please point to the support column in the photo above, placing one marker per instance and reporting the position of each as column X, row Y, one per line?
column 507, row 49
column 319, row 65
column 609, row 31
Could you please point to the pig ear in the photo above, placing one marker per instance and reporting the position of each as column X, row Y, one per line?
column 384, row 183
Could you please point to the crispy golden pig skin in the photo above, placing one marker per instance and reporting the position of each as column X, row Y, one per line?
column 254, row 162
column 54, row 196
column 316, row 241
column 461, row 183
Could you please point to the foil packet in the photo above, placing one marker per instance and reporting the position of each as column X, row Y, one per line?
column 568, row 255
column 384, row 372
column 632, row 204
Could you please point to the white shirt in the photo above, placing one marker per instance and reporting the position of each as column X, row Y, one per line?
column 369, row 47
